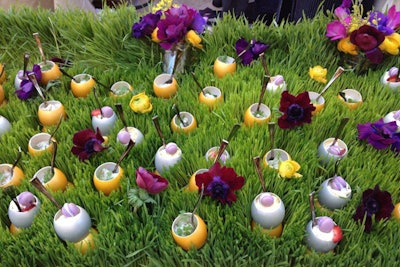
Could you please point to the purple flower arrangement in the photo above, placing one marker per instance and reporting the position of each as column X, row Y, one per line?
column 371, row 35
column 176, row 25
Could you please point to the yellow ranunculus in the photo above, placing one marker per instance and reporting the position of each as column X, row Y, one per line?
column 348, row 47
column 194, row 39
column 289, row 168
column 141, row 103
column 391, row 44
column 154, row 37
column 318, row 73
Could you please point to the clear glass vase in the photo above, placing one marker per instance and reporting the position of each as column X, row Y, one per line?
column 178, row 56
column 359, row 64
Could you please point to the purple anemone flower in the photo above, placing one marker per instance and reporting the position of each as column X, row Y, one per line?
column 27, row 89
column 380, row 135
column 146, row 25
column 252, row 52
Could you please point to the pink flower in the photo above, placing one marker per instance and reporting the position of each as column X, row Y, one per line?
column 151, row 182
column 335, row 30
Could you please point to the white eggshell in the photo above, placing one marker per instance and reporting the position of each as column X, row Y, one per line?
column 133, row 134
column 5, row 125
column 104, row 124
column 328, row 198
column 72, row 229
column 319, row 241
column 164, row 161
column 22, row 219
column 395, row 86
column 326, row 157
column 268, row 217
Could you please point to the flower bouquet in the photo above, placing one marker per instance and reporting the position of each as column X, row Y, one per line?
column 364, row 39
column 175, row 29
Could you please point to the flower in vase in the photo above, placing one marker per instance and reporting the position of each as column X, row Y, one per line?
column 140, row 103
column 146, row 25
column 380, row 135
column 296, row 110
column 27, row 89
column 375, row 203
column 172, row 26
column 288, row 169
column 368, row 36
column 86, row 143
column 249, row 51
column 151, row 182
column 318, row 73
column 220, row 183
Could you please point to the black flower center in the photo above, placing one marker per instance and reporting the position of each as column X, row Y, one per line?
column 89, row 145
column 218, row 188
column 295, row 112
column 373, row 206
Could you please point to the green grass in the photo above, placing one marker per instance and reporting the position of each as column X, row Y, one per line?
column 103, row 47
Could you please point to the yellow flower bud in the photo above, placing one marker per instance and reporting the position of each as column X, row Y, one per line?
column 154, row 37
column 141, row 103
column 194, row 39
column 347, row 47
column 390, row 45
column 288, row 169
column 318, row 73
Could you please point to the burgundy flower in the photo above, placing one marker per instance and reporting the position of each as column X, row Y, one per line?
column 368, row 38
column 252, row 52
column 380, row 135
column 151, row 182
column 146, row 25
column 27, row 90
column 220, row 183
column 86, row 143
column 296, row 110
column 375, row 202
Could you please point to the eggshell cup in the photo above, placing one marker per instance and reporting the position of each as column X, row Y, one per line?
column 107, row 186
column 325, row 156
column 135, row 134
column 5, row 125
column 53, row 73
column 316, row 243
column 15, row 230
column 250, row 119
column 163, row 164
column 104, row 124
column 197, row 238
column 318, row 104
column 192, row 187
column 51, row 117
column 2, row 96
column 213, row 152
column 223, row 67
column 72, row 229
column 394, row 86
column 18, row 79
column 214, row 99
column 87, row 242
column 279, row 156
column 162, row 89
column 82, row 85
column 22, row 219
column 57, row 182
column 273, row 88
column 390, row 117
column 267, row 217
column 329, row 198
column 354, row 95
column 3, row 74
column 39, row 144
column 120, row 89
column 273, row 232
column 16, row 177
column 191, row 123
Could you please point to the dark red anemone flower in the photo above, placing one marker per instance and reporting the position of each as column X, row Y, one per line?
column 368, row 39
column 375, row 202
column 296, row 110
column 220, row 183
column 86, row 143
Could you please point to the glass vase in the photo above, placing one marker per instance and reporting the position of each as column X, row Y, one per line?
column 178, row 56
column 359, row 64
